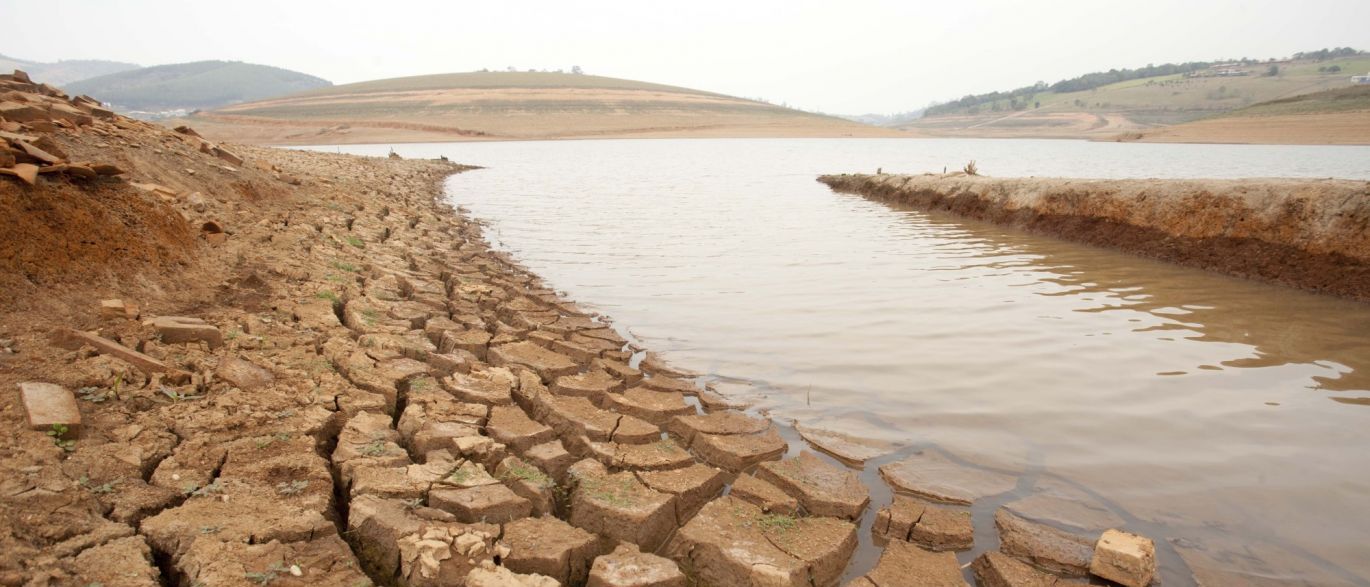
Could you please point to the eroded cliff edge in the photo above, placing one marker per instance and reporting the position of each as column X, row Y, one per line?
column 1309, row 234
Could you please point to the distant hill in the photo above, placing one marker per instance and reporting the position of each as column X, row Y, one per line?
column 189, row 86
column 1330, row 117
column 64, row 72
column 1104, row 104
column 509, row 105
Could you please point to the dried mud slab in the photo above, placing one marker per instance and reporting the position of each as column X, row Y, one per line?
column 733, row 543
column 932, row 476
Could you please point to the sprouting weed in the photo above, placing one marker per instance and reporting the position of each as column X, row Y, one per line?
column 232, row 334
column 348, row 267
column 292, row 488
column 374, row 448
column 527, row 473
column 777, row 522
column 101, row 489
column 460, row 476
column 57, row 432
column 209, row 529
column 356, row 242
column 92, row 395
column 176, row 395
column 414, row 503
column 327, row 295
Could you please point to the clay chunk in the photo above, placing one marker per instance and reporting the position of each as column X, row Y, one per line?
column 995, row 569
column 1124, row 558
column 627, row 567
column 823, row 489
column 49, row 405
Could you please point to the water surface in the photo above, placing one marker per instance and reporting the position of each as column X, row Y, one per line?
column 1226, row 416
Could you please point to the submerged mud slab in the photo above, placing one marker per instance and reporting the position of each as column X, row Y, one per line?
column 1309, row 234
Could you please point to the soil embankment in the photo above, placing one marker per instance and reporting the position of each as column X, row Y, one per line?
column 224, row 365
column 1311, row 234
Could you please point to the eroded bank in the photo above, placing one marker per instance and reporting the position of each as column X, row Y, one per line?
column 1310, row 234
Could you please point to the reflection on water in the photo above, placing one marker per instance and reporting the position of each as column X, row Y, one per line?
column 1224, row 415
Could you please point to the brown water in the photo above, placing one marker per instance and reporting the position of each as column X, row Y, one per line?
column 1225, row 417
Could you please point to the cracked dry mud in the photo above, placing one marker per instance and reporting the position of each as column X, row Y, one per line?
column 316, row 373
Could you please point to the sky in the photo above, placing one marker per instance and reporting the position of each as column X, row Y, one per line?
column 849, row 57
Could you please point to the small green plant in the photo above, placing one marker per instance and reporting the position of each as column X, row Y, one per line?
column 100, row 489
column 58, row 432
column 210, row 529
column 460, row 476
column 374, row 448
column 348, row 267
column 415, row 503
column 327, row 295
column 335, row 278
column 971, row 169
column 356, row 242
column 777, row 522
column 370, row 316
column 292, row 488
column 527, row 473
column 232, row 334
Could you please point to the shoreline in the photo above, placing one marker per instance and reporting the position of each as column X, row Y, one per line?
column 1307, row 234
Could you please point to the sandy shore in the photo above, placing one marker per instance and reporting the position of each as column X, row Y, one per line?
column 228, row 365
column 1303, row 233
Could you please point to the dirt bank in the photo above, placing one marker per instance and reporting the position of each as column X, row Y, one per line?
column 225, row 365
column 1330, row 128
column 1310, row 234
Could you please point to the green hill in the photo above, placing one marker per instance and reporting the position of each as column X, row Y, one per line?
column 64, row 72
column 1124, row 100
column 197, row 85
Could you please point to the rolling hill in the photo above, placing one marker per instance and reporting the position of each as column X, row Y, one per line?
column 1094, row 106
column 189, row 86
column 509, row 105
column 1330, row 117
column 63, row 72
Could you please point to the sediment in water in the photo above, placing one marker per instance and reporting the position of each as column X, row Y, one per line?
column 1309, row 234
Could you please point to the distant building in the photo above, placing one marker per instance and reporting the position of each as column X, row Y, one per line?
column 1361, row 80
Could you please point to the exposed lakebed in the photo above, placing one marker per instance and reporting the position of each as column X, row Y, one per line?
column 1222, row 417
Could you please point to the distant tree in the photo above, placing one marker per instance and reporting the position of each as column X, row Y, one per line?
column 512, row 68
column 1273, row 71
column 1333, row 68
column 1037, row 104
column 575, row 69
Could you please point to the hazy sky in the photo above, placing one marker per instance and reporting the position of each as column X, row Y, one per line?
column 842, row 57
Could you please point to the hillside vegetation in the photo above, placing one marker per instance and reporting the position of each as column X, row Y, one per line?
column 1330, row 117
column 509, row 105
column 188, row 86
column 63, row 72
column 1132, row 100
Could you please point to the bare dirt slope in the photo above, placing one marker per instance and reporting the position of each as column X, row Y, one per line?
column 1310, row 234
column 1334, row 117
column 509, row 105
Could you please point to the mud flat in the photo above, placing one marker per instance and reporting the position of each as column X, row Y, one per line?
column 223, row 365
column 1310, row 234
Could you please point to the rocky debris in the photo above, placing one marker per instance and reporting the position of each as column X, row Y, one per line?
column 932, row 476
column 1043, row 546
column 118, row 309
column 905, row 564
column 73, row 339
column 243, row 374
column 822, row 489
column 181, row 329
column 621, row 507
column 35, row 111
column 489, row 575
column 994, row 569
column 628, row 567
column 51, row 408
column 764, row 495
column 551, row 547
column 733, row 543
column 1124, row 558
column 731, row 441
